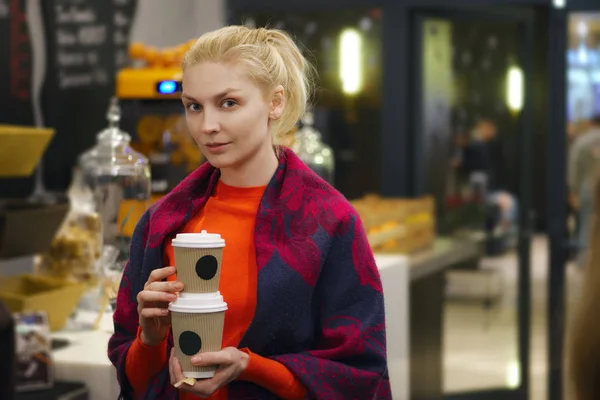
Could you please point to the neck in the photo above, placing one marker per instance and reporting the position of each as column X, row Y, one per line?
column 256, row 171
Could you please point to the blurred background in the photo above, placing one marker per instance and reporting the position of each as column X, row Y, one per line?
column 464, row 132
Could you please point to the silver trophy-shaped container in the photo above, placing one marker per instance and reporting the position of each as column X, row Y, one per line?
column 310, row 148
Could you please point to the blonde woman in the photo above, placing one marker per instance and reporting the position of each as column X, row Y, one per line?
column 306, row 315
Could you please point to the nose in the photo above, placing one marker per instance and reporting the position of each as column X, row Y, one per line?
column 210, row 122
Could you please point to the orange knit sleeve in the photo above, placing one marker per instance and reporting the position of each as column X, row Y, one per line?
column 143, row 362
column 273, row 376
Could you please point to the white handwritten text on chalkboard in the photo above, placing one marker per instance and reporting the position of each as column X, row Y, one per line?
column 80, row 37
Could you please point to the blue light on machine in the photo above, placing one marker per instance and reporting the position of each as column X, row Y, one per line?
column 167, row 87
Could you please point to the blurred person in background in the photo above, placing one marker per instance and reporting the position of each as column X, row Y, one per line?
column 583, row 340
column 584, row 160
column 575, row 130
column 478, row 156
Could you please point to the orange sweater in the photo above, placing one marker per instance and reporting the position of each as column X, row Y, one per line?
column 230, row 212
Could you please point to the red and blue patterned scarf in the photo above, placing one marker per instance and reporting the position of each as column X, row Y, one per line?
column 319, row 309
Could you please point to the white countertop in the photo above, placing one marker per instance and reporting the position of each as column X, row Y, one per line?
column 395, row 277
column 444, row 252
column 85, row 359
column 387, row 261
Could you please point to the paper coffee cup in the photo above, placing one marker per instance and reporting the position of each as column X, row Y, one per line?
column 197, row 323
column 198, row 258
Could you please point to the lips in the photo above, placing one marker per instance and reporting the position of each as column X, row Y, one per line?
column 216, row 147
column 215, row 144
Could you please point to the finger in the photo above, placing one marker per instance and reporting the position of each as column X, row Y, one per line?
column 178, row 376
column 171, row 372
column 176, row 367
column 222, row 357
column 160, row 273
column 154, row 312
column 205, row 388
column 161, row 305
column 170, row 287
column 223, row 375
column 146, row 296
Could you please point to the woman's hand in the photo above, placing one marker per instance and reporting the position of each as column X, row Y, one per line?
column 231, row 363
column 153, row 303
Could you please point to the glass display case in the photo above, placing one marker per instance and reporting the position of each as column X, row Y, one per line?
column 119, row 179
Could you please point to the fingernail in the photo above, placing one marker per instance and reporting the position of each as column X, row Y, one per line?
column 196, row 359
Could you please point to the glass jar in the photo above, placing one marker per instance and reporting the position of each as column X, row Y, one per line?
column 119, row 178
column 309, row 147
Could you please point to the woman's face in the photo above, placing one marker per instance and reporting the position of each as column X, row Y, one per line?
column 227, row 113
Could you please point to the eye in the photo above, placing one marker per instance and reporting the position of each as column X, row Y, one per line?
column 193, row 107
column 228, row 103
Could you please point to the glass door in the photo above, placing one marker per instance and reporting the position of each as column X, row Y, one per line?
column 472, row 137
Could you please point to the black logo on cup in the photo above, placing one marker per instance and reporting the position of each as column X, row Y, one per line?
column 206, row 267
column 190, row 343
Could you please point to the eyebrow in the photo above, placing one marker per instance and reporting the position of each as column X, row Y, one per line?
column 217, row 96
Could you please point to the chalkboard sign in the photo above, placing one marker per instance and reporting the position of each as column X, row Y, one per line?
column 75, row 48
column 80, row 33
column 86, row 44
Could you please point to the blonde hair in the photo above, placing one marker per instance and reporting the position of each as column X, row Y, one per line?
column 271, row 57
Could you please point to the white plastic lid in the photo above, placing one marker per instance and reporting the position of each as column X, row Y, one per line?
column 201, row 303
column 198, row 240
column 199, row 374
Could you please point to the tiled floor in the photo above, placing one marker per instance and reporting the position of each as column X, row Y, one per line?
column 481, row 344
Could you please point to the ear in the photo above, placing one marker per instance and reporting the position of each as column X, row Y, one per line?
column 277, row 102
